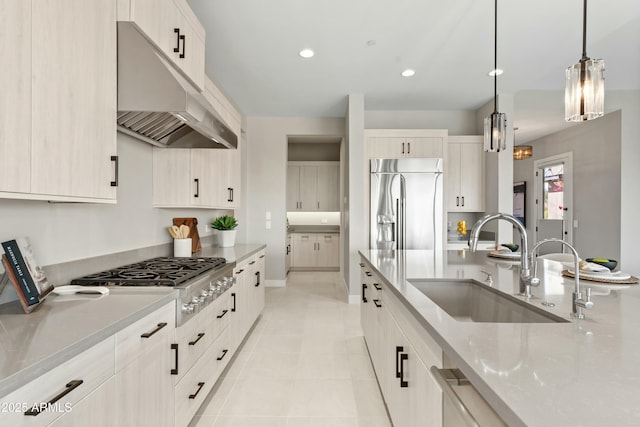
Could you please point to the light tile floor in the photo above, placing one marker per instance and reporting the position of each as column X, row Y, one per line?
column 305, row 364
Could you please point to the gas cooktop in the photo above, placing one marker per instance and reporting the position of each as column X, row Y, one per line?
column 161, row 271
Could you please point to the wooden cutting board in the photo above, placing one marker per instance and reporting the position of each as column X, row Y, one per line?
column 192, row 223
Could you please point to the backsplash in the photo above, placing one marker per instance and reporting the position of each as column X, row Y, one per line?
column 313, row 218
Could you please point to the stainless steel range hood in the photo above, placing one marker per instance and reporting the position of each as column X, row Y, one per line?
column 156, row 104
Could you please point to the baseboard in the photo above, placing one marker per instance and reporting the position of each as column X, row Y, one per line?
column 275, row 283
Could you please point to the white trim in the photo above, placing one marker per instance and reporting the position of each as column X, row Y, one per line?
column 275, row 283
column 354, row 299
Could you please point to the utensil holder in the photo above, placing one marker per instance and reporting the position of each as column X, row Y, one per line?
column 181, row 248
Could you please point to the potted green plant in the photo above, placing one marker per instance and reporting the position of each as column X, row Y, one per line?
column 226, row 230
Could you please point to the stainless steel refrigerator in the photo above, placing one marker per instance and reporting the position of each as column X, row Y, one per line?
column 406, row 204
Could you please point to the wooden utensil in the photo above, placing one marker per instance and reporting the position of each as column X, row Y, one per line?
column 184, row 231
column 192, row 223
column 172, row 231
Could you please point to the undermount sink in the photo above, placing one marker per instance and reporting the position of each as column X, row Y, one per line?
column 471, row 301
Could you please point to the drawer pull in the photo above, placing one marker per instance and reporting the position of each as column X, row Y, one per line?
column 362, row 265
column 175, row 370
column 252, row 262
column 194, row 342
column 377, row 303
column 399, row 349
column 239, row 271
column 368, row 273
column 364, row 296
column 257, row 279
column 377, row 286
column 261, row 256
column 148, row 334
column 403, row 383
column 233, row 295
column 220, row 316
column 114, row 159
column 193, row 396
column 224, row 353
column 71, row 385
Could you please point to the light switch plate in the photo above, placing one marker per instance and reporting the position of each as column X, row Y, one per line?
column 268, row 216
column 268, row 224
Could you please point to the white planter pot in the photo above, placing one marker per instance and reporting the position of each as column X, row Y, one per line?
column 226, row 238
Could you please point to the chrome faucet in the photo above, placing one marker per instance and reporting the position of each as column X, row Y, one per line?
column 526, row 279
column 578, row 304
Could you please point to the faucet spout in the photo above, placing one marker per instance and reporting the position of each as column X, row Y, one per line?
column 525, row 273
column 578, row 304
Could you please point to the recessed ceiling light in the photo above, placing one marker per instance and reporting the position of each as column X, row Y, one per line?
column 371, row 42
column 495, row 72
column 408, row 73
column 306, row 53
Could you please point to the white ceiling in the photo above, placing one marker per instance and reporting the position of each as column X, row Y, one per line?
column 253, row 45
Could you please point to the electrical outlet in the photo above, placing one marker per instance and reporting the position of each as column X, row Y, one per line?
column 207, row 229
column 268, row 225
column 324, row 221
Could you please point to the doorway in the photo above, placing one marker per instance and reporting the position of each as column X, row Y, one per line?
column 553, row 189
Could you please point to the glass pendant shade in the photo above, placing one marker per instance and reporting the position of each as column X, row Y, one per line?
column 495, row 132
column 584, row 93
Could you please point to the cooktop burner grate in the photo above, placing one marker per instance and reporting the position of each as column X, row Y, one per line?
column 161, row 271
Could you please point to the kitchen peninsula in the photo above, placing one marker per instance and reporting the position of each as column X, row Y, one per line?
column 564, row 373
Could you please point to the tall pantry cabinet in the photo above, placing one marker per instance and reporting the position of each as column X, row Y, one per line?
column 57, row 115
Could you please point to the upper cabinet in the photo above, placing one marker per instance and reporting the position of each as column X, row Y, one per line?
column 58, row 115
column 313, row 187
column 464, row 174
column 405, row 143
column 172, row 27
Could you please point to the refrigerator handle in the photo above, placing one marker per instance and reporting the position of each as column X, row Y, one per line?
column 401, row 213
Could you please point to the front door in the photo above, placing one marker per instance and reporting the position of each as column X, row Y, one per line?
column 554, row 197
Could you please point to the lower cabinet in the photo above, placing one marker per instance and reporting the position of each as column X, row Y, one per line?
column 316, row 250
column 412, row 395
column 92, row 409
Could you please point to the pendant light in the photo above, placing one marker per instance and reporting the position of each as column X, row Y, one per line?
column 584, row 93
column 495, row 125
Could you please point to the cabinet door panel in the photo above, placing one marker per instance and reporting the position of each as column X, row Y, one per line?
column 172, row 177
column 308, row 188
column 328, row 188
column 304, row 254
column 472, row 177
column 74, row 126
column 94, row 410
column 385, row 148
column 15, row 102
column 293, row 188
column 157, row 19
column 424, row 147
column 328, row 250
column 206, row 173
column 452, row 177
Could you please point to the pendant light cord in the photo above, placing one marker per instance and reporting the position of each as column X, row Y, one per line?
column 584, row 33
column 495, row 57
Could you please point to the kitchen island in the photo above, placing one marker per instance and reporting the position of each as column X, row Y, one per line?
column 580, row 372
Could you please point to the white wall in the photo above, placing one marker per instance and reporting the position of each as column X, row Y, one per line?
column 457, row 122
column 266, row 168
column 62, row 232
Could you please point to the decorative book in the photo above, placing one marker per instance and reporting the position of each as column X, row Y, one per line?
column 25, row 273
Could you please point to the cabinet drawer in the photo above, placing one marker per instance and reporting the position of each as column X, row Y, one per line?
column 66, row 385
column 191, row 391
column 133, row 341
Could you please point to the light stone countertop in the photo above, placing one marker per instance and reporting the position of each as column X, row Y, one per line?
column 64, row 326
column 580, row 373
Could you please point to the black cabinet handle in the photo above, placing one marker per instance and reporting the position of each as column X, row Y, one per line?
column 261, row 256
column 184, row 45
column 230, row 190
column 177, row 48
column 362, row 265
column 69, row 387
column 403, row 357
column 403, row 148
column 239, row 271
column 252, row 262
column 378, row 287
column 220, row 316
column 194, row 342
column 364, row 297
column 233, row 295
column 197, row 181
column 458, row 201
column 399, row 349
column 193, row 396
column 377, row 303
column 462, row 200
column 149, row 334
column 114, row 159
column 408, row 148
column 367, row 273
column 224, row 353
column 257, row 278
column 175, row 370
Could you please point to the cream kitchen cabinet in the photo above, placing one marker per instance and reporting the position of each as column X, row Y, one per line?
column 173, row 27
column 92, row 410
column 184, row 177
column 313, row 186
column 464, row 174
column 144, row 363
column 61, row 389
column 404, row 143
column 289, row 254
column 57, row 127
column 316, row 250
